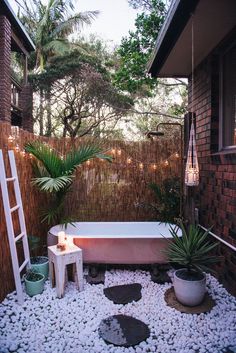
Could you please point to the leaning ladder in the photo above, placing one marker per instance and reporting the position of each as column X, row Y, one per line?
column 8, row 210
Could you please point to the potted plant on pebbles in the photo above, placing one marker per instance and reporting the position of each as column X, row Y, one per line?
column 34, row 282
column 190, row 252
column 39, row 264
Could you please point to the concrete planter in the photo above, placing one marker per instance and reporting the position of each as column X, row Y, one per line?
column 34, row 287
column 39, row 264
column 189, row 292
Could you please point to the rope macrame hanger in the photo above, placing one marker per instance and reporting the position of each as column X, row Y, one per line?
column 192, row 169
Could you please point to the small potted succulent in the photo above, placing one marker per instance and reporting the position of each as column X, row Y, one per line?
column 191, row 253
column 34, row 283
column 38, row 263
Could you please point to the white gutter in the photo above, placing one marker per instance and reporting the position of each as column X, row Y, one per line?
column 217, row 237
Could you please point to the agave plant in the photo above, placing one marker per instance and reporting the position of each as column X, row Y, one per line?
column 55, row 175
column 192, row 249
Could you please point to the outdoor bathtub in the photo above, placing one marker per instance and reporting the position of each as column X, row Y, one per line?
column 118, row 242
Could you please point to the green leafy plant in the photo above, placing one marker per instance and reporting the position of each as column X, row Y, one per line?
column 166, row 205
column 55, row 175
column 192, row 249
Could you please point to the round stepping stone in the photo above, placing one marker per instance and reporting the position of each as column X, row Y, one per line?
column 206, row 306
column 122, row 330
column 124, row 294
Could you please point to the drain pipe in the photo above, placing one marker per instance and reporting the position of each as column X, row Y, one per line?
column 217, row 237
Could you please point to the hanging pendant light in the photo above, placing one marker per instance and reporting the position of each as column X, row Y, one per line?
column 192, row 168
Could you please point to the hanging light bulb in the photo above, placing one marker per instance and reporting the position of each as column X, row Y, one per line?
column 10, row 138
column 30, row 155
column 154, row 166
column 129, row 160
column 176, row 155
column 141, row 166
column 88, row 162
column 166, row 163
column 192, row 168
column 119, row 152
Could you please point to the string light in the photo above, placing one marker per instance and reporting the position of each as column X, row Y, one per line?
column 113, row 151
column 23, row 153
column 119, row 152
column 88, row 162
column 176, row 155
column 141, row 166
column 30, row 155
column 129, row 160
column 166, row 163
column 154, row 166
column 10, row 138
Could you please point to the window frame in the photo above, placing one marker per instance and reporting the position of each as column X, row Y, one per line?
column 222, row 148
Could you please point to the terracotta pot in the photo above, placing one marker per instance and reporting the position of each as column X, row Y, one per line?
column 189, row 292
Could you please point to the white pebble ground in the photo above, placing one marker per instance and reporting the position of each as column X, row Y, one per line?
column 46, row 324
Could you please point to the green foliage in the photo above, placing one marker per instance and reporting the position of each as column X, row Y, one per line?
column 135, row 50
column 55, row 175
column 167, row 203
column 192, row 249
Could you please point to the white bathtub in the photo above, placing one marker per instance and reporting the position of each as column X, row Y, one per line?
column 118, row 242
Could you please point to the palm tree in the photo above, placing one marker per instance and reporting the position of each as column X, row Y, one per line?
column 51, row 24
column 55, row 175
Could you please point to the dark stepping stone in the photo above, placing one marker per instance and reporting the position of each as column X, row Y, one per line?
column 161, row 277
column 206, row 306
column 98, row 279
column 122, row 330
column 231, row 350
column 124, row 294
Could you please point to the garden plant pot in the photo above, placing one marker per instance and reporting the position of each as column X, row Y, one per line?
column 36, row 286
column 39, row 264
column 189, row 290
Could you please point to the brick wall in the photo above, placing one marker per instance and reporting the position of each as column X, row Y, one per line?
column 5, row 61
column 26, row 104
column 216, row 195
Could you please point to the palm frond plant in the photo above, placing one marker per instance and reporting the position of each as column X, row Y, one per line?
column 192, row 252
column 55, row 175
column 192, row 249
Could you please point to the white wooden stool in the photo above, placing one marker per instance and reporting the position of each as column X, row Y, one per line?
column 59, row 260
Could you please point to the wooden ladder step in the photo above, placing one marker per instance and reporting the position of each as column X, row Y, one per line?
column 14, row 208
column 19, row 236
column 23, row 265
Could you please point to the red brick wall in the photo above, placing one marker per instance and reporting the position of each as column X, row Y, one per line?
column 215, row 197
column 5, row 61
column 26, row 104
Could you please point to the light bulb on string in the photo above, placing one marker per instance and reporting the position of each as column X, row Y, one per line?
column 141, row 166
column 119, row 152
column 10, row 138
column 154, row 166
column 129, row 160
column 166, row 163
column 176, row 155
column 88, row 163
column 30, row 156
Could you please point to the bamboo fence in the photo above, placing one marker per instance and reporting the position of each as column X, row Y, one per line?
column 102, row 191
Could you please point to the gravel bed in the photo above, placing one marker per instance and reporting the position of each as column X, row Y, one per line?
column 46, row 324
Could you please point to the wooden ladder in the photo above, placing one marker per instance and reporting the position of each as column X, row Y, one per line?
column 8, row 210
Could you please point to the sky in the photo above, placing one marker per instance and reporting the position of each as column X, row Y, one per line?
column 116, row 18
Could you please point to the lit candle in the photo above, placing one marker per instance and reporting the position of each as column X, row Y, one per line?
column 61, row 237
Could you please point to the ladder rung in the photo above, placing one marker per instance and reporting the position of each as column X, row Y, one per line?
column 19, row 236
column 15, row 208
column 23, row 265
column 11, row 179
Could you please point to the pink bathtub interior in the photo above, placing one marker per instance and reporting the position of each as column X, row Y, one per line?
column 118, row 242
